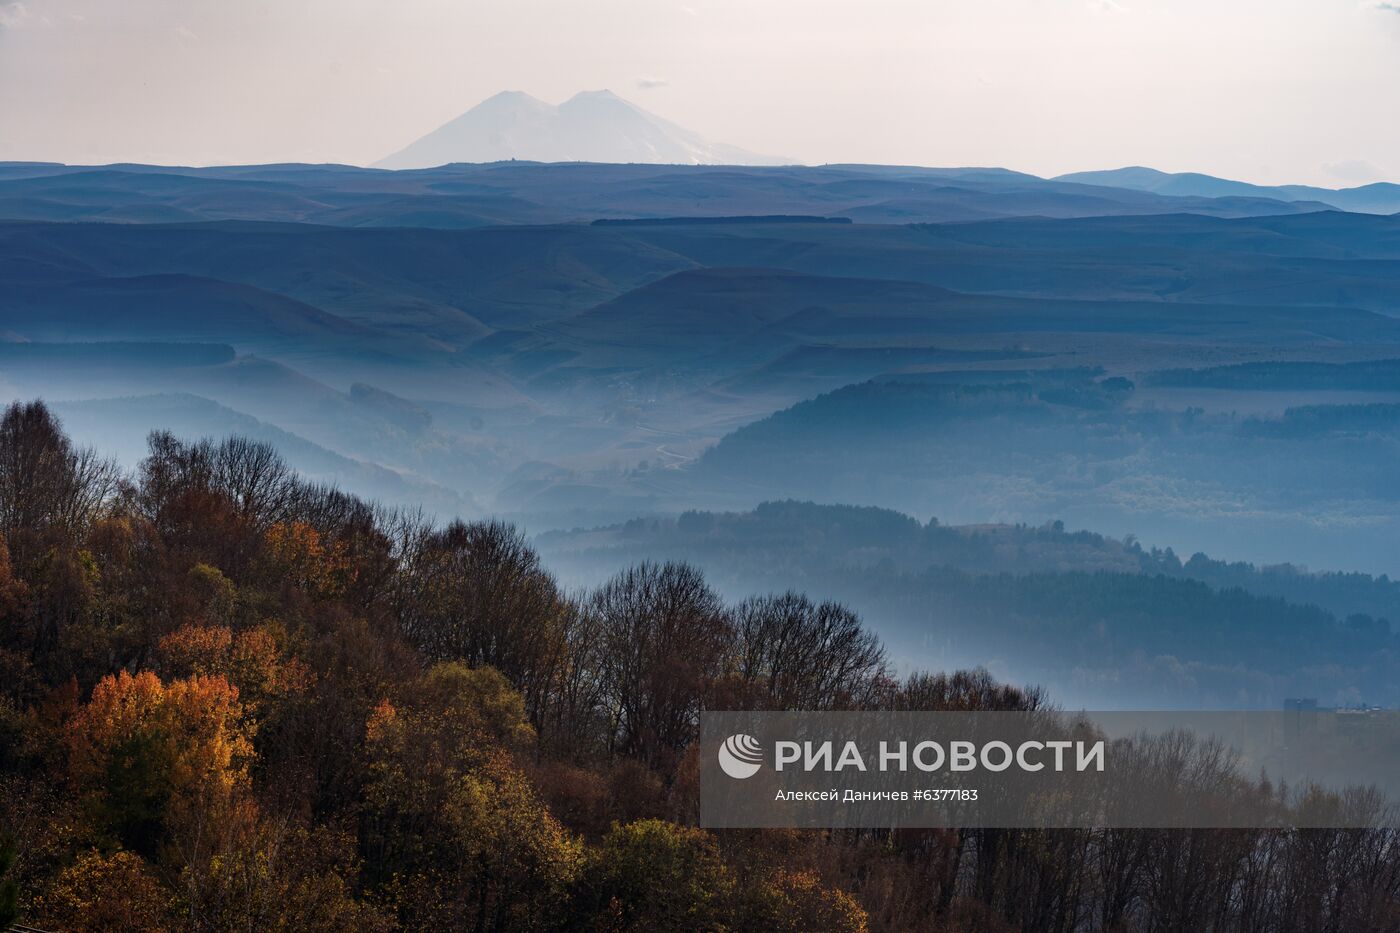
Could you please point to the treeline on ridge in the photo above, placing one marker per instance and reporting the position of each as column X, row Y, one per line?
column 1055, row 605
column 818, row 538
column 1362, row 375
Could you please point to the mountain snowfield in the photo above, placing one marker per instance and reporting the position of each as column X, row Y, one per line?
column 593, row 126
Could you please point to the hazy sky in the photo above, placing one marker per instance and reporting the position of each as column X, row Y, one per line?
column 1264, row 90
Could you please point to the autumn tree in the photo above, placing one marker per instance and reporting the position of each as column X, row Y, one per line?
column 112, row 893
column 256, row 661
column 655, row 876
column 146, row 754
column 281, row 876
column 453, row 829
column 361, row 534
column 296, row 554
column 796, row 902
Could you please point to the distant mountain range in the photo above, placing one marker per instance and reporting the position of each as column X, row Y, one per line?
column 490, row 194
column 600, row 127
column 1379, row 198
column 593, row 126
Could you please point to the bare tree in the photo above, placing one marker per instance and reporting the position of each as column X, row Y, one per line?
column 664, row 639
column 966, row 690
column 794, row 654
column 478, row 593
column 255, row 477
column 47, row 485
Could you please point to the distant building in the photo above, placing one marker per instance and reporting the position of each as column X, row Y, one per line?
column 1299, row 719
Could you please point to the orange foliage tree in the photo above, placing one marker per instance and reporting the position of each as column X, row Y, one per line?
column 143, row 752
column 297, row 554
column 256, row 661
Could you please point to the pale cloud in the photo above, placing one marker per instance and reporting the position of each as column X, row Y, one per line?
column 12, row 14
column 1386, row 7
column 647, row 84
column 186, row 34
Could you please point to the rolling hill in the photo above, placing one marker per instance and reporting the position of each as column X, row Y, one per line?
column 568, row 340
column 715, row 322
column 118, row 427
column 445, row 285
column 1378, row 198
column 181, row 307
column 465, row 196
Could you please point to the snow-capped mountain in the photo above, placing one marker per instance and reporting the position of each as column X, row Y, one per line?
column 594, row 126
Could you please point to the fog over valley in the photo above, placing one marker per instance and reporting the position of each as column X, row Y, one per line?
column 1184, row 362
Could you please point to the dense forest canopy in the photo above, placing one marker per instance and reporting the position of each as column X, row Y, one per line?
column 232, row 699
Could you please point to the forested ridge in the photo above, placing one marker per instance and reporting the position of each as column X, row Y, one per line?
column 1103, row 622
column 231, row 699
